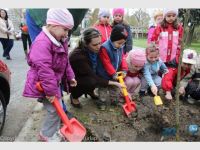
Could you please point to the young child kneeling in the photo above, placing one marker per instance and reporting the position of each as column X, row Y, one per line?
column 190, row 84
column 153, row 66
column 169, row 80
column 135, row 60
column 111, row 59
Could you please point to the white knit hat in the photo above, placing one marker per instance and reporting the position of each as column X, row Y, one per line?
column 189, row 56
column 103, row 12
column 58, row 16
column 167, row 10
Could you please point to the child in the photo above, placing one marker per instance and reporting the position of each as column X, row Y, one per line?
column 135, row 60
column 158, row 17
column 49, row 64
column 111, row 60
column 168, row 36
column 169, row 80
column 26, row 40
column 189, row 85
column 118, row 18
column 152, row 67
column 103, row 24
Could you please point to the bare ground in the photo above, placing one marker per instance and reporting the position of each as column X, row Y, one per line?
column 112, row 124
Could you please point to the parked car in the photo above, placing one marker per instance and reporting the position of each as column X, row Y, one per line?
column 5, row 77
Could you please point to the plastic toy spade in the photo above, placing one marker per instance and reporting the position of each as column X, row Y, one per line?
column 72, row 129
column 157, row 100
column 129, row 106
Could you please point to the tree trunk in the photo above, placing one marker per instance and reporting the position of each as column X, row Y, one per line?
column 186, row 18
column 190, row 35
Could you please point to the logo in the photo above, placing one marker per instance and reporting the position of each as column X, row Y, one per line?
column 125, row 33
column 190, row 56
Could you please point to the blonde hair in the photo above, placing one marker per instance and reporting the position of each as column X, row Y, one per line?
column 157, row 13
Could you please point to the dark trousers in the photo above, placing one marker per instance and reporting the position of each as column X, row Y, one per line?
column 7, row 46
column 86, row 85
column 26, row 38
column 193, row 89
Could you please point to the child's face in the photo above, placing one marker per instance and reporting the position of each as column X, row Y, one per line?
column 59, row 32
column 95, row 44
column 185, row 66
column 170, row 17
column 118, row 18
column 153, row 56
column 119, row 43
column 105, row 19
column 159, row 19
column 137, row 68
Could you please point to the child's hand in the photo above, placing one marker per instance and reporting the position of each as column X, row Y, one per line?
column 50, row 98
column 124, row 73
column 154, row 89
column 73, row 83
column 119, row 85
column 115, row 76
column 182, row 90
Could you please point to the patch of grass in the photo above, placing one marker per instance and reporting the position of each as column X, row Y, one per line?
column 140, row 42
column 143, row 43
column 195, row 46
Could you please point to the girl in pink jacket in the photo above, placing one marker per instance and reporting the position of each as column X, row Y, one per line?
column 168, row 36
column 49, row 64
column 158, row 17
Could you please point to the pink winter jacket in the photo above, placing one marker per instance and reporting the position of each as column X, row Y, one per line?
column 150, row 33
column 49, row 64
column 168, row 41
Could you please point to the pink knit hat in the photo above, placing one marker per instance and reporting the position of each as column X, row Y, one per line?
column 166, row 11
column 118, row 11
column 137, row 57
column 58, row 16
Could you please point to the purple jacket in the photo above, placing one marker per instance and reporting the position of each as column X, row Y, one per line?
column 49, row 64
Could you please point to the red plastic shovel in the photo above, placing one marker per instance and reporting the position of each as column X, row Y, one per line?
column 72, row 130
column 129, row 106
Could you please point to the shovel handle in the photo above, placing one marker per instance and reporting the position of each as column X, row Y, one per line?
column 124, row 90
column 58, row 108
column 121, row 81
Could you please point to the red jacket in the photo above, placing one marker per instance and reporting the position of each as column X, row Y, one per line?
column 105, row 31
column 169, row 79
column 108, row 65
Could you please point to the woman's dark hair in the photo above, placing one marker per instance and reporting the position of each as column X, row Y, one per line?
column 6, row 17
column 164, row 23
column 87, row 37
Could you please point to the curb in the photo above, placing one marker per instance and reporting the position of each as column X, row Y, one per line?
column 25, row 133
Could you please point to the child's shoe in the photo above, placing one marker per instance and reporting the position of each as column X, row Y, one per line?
column 57, row 137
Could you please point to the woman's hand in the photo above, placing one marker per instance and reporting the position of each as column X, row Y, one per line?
column 73, row 83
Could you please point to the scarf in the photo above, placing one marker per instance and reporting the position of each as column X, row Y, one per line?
column 93, row 59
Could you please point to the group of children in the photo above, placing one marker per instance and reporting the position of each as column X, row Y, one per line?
column 151, row 69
